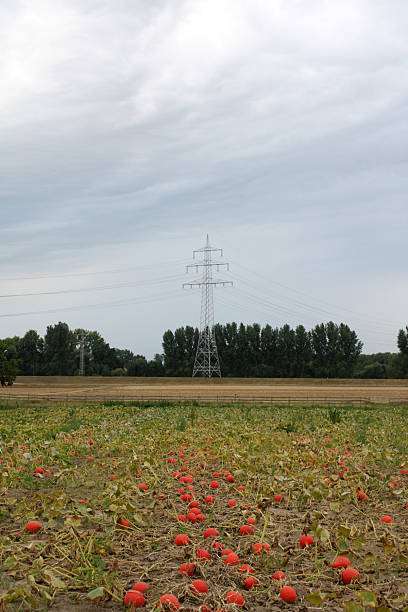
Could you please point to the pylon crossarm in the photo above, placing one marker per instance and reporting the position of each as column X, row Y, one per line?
column 213, row 283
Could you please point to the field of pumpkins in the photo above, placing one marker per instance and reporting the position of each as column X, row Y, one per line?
column 204, row 508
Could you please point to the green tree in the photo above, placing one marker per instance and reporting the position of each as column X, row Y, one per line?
column 402, row 341
column 155, row 367
column 227, row 342
column 99, row 358
column 376, row 364
column 124, row 357
column 138, row 366
column 242, row 361
column 169, row 352
column 319, row 348
column 11, row 346
column 398, row 367
column 373, row 370
column 253, row 333
column 31, row 351
column 350, row 348
column 286, row 351
column 303, row 352
column 8, row 366
column 269, row 348
column 60, row 353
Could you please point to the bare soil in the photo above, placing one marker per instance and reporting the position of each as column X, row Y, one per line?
column 233, row 389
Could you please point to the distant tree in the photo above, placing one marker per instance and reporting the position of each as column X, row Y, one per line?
column 269, row 348
column 179, row 351
column 190, row 348
column 117, row 372
column 350, row 350
column 303, row 352
column 11, row 346
column 319, row 350
column 60, row 353
column 286, row 351
column 402, row 341
column 100, row 359
column 253, row 333
column 376, row 364
column 243, row 357
column 328, row 350
column 125, row 357
column 398, row 366
column 373, row 370
column 336, row 349
column 169, row 352
column 155, row 367
column 31, row 352
column 138, row 366
column 8, row 366
column 227, row 344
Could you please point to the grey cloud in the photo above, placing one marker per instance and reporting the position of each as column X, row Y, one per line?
column 130, row 129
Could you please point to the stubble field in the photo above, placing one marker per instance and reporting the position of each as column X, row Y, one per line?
column 305, row 390
column 260, row 476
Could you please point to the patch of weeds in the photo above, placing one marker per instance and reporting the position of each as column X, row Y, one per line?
column 72, row 423
column 334, row 414
column 289, row 427
column 181, row 423
column 193, row 415
column 156, row 545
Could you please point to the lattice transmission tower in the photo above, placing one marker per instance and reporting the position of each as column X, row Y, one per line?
column 82, row 355
column 206, row 360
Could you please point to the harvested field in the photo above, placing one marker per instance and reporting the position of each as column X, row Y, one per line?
column 226, row 389
column 332, row 474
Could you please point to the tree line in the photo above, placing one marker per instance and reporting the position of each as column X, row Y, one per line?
column 328, row 350
column 58, row 354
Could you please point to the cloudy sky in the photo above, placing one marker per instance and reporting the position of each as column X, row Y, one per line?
column 129, row 129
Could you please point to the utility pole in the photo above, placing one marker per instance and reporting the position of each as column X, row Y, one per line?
column 206, row 360
column 82, row 355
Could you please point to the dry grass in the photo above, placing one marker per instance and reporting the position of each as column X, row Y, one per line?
column 226, row 389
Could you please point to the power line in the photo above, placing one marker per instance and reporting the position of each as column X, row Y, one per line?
column 99, row 272
column 338, row 308
column 160, row 296
column 295, row 313
column 98, row 288
column 228, row 302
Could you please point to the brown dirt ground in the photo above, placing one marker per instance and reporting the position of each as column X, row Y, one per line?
column 285, row 390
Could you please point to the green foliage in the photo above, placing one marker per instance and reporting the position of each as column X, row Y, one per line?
column 179, row 351
column 117, row 372
column 181, row 423
column 329, row 350
column 100, row 359
column 58, row 354
column 8, row 367
column 398, row 366
column 31, row 352
column 334, row 413
column 59, row 350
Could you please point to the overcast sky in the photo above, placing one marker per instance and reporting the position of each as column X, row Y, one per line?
column 129, row 129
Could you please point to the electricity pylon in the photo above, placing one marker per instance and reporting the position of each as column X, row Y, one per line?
column 206, row 360
column 82, row 355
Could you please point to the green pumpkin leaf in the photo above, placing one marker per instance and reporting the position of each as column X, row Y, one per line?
column 96, row 593
column 316, row 599
column 351, row 606
column 367, row 598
